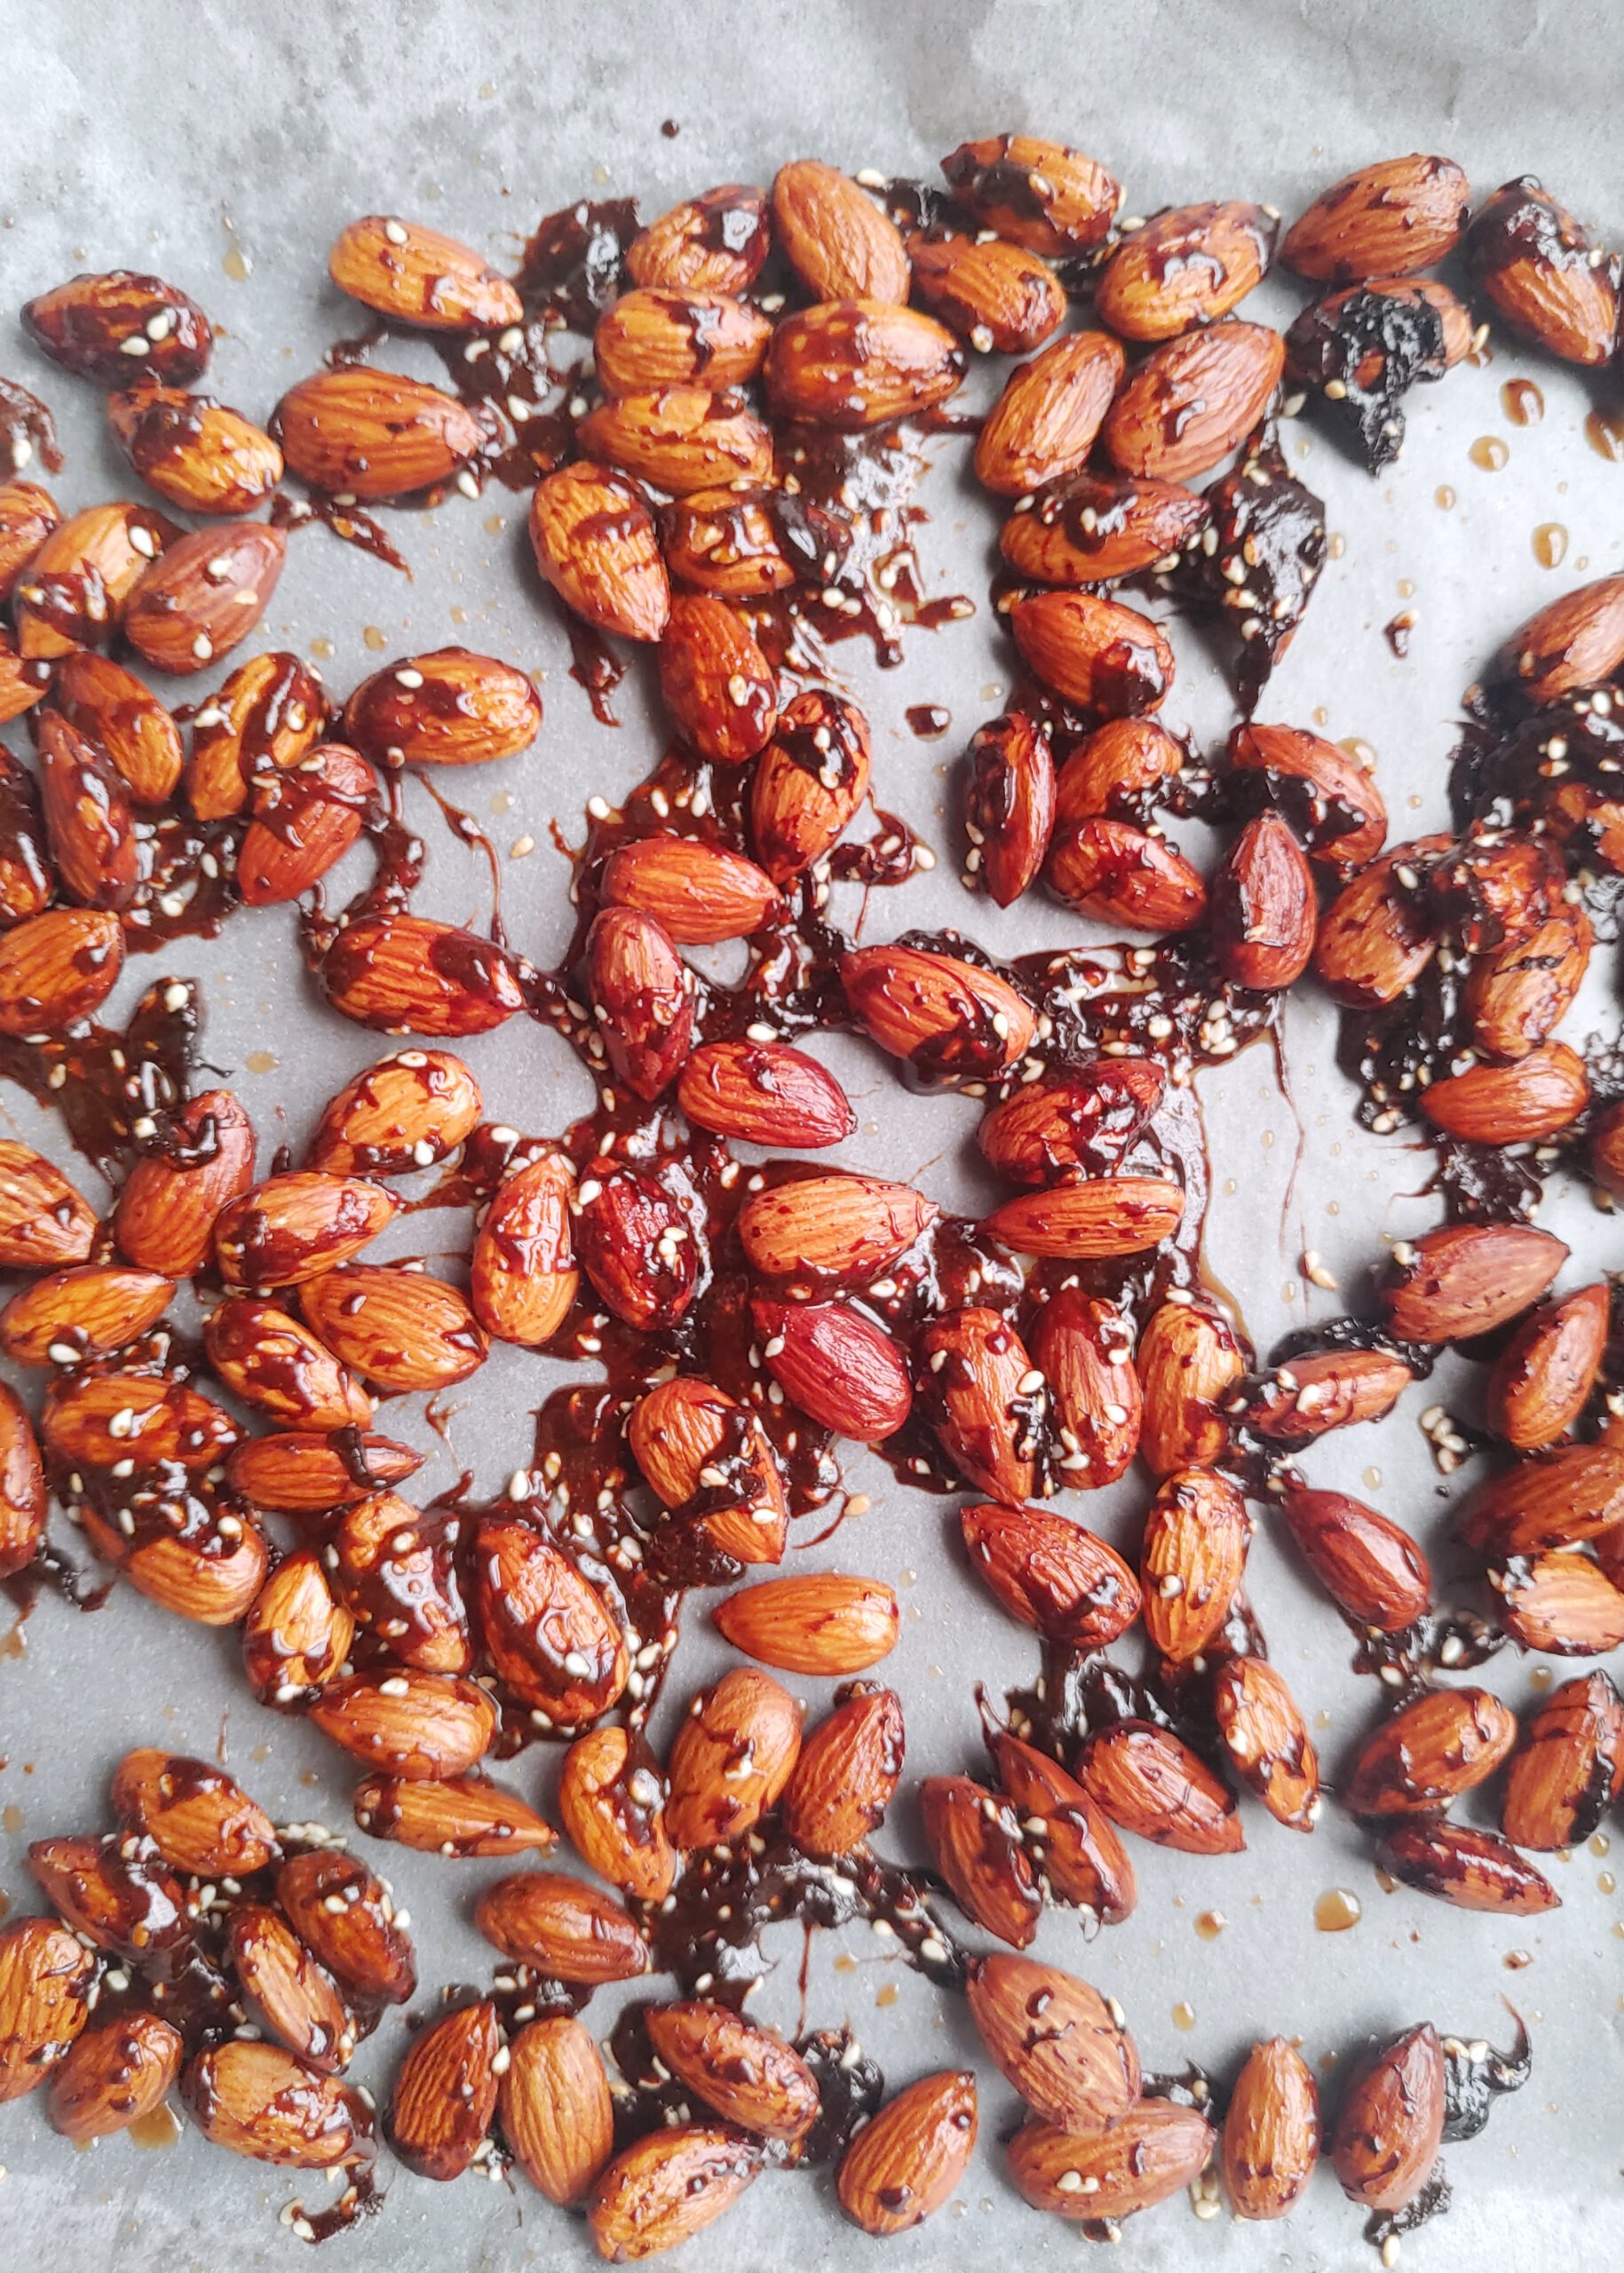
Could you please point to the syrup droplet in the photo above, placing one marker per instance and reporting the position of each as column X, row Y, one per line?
column 1550, row 545
column 1489, row 452
column 236, row 264
column 1443, row 496
column 156, row 2129
column 1211, row 1924
column 1600, row 1844
column 1540, row 1677
column 375, row 638
column 1605, row 433
column 1184, row 2017
column 322, row 650
column 887, row 1994
column 1337, row 1909
column 261, row 1061
column 1372, row 1480
column 1358, row 750
column 12, row 1818
column 1522, row 402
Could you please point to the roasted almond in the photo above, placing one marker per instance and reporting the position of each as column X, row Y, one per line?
column 993, row 295
column 1084, row 1349
column 1082, row 1860
column 112, row 325
column 409, row 1111
column 1421, row 1759
column 1052, row 1575
column 1386, row 219
column 1265, row 912
column 716, row 242
column 1187, row 265
column 112, row 1896
column 857, row 363
column 205, row 595
column 43, row 1220
column 304, row 821
column 79, row 582
column 1372, row 1569
column 266, row 718
column 1330, row 799
column 1107, row 658
column 1385, row 2138
column 114, row 2075
column 199, row 1819
column 1374, row 939
column 556, row 2112
column 943, row 1015
column 27, row 881
column 398, row 1328
column 906, row 2162
column 1474, row 1869
column 612, row 1800
column 1307, row 1397
column 304, row 1472
column 23, row 1500
column 1188, row 1359
column 292, row 1998
column 977, row 1388
column 1542, row 1380
column 642, row 996
column 563, row 1927
column 459, row 1817
column 264, row 2102
column 975, row 1839
column 1104, row 1216
column 1192, row 400
column 354, row 431
column 89, row 823
column 720, row 690
column 1149, row 1782
column 1058, row 2040
column 445, row 2093
column 395, row 1569
column 731, row 1758
column 1575, row 642
column 417, row 276
column 1520, row 1104
column 763, row 1093
column 297, row 1634
column 727, row 542
column 1085, row 1121
column 449, row 707
column 635, row 1243
column 1560, row 1603
column 680, row 439
column 111, row 708
column 1515, row 994
column 197, row 453
column 1467, row 1278
column 86, row 1313
column 45, row 1973
column 822, row 1623
column 58, row 967
column 347, row 1917
column 27, row 515
column 1044, row 422
column 293, row 1227
column 709, row 1460
column 1271, row 2131
column 1045, row 195
column 1154, row 2151
column 655, row 338
column 522, row 1276
column 667, row 2187
column 809, row 781
column 1567, row 1767
column 847, row 1774
column 419, row 1725
column 594, row 541
column 824, row 1229
column 1008, row 803
column 701, row 892
column 1095, row 528
column 1267, row 1740
column 839, row 1367
column 1544, row 273
column 749, row 2076
column 194, row 1552
column 835, row 237
column 1192, row 1560
column 549, row 1634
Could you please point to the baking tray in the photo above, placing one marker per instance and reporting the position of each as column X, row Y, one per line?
column 226, row 152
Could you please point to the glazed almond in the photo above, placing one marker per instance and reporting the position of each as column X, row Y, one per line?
column 450, row 708
column 1387, row 219
column 593, row 537
column 943, row 1015
column 1271, row 2131
column 846, row 1775
column 1044, row 422
column 1188, row 264
column 1192, row 400
column 1108, row 658
column 836, row 238
column 715, row 242
column 856, row 363
column 681, row 438
column 1045, row 195
column 745, row 2073
column 359, row 432
column 417, row 276
column 205, row 594
column 1057, row 2040
column 657, row 338
column 907, row 2162
column 198, row 454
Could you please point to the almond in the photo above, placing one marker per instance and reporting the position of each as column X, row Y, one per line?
column 110, row 327
column 354, row 431
column 57, row 967
column 1562, row 1604
column 111, row 708
column 304, row 821
column 1191, row 1561
column 89, row 824
column 266, row 718
column 906, row 2162
column 1107, row 658
column 292, row 1998
column 395, row 1569
column 701, row 892
column 449, row 707
column 568, row 1930
column 984, row 1398
column 835, row 237
column 716, row 682
column 445, row 2093
column 296, row 1636
column 84, row 1312
column 1332, row 1389
column 1083, row 1862
column 1474, row 1869
column 823, row 1623
column 642, row 997
column 1542, row 1380
column 1374, row 940
column 1267, row 1740
column 1153, row 2151
column 28, row 882
column 594, row 541
column 993, row 295
column 1056, row 2039
column 197, row 453
column 548, row 1634
column 1544, row 273
column 1094, row 528
column 1331, row 801
column 43, row 1219
column 417, row 276
column 727, row 542
column 1192, row 400
column 1445, row 1742
column 680, row 439
column 943, row 1015
column 459, row 1817
column 612, row 1800
column 1084, row 1349
column 824, row 1229
column 208, row 592
column 1385, row 2141
column 262, row 2101
column 746, row 2074
column 1495, row 889
column 409, row 1111
column 1575, row 642
column 1264, row 908
column 636, row 1244
column 1188, row 1359
column 192, row 1553
column 1086, row 1122
column 1387, row 219
column 398, row 1328
column 22, row 1488
column 46, row 1974
column 731, row 1758
column 410, row 974
column 1373, row 1570
column 419, row 1725
column 114, row 2075
column 557, row 2114
column 650, row 339
column 1052, row 1575
column 856, row 363
column 841, row 1369
column 293, row 1227
column 1567, row 1767
column 345, row 1915
column 1516, row 995
column 847, row 1774
column 975, row 1839
column 1520, row 1104
column 1271, row 2131
column 27, row 515
column 1467, row 1278
column 1051, row 199
column 1044, row 425
column 1105, row 1216
column 522, row 1276
column 1010, row 803
column 763, row 1093
column 667, row 2187
column 199, row 1819
column 1150, row 1783
column 79, row 582
column 303, row 1472
column 129, row 1906
column 1187, row 265
column 716, row 242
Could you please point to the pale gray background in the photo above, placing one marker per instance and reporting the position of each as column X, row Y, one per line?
column 160, row 135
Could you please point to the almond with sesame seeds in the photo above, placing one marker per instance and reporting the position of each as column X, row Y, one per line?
column 1271, row 2131
column 1123, row 758
column 837, row 1366
column 84, row 1312
column 946, row 1017
column 1119, row 874
column 1574, row 642
column 907, row 2161
column 395, row 1568
column 1010, row 803
column 46, row 1975
column 563, row 1927
column 1094, row 528
column 1545, row 273
column 823, row 1623
column 419, row 1725
column 412, row 974
column 681, row 438
column 1330, row 799
column 1107, row 658
column 1052, row 1575
column 1192, row 400
column 847, row 1774
column 1044, row 425
column 809, row 781
column 1266, row 1739
column 23, row 1500
column 1150, row 1782
column 205, row 594
column 1265, row 911
column 89, row 822
column 297, row 1634
column 274, row 1364
column 1082, row 1860
column 1188, row 264
column 727, row 542
column 1523, row 1103
column 79, row 583
column 593, row 537
column 655, row 337
column 409, row 1111
column 1154, row 2151
column 549, row 1634
column 746, row 2074
column 192, row 1552
column 1100, row 1215
column 763, row 1093
column 557, row 2113
column 1057, row 2040
column 642, row 996
column 1191, row 1561
column 1054, row 200
column 667, row 2187
column 449, row 707
column 1386, row 219
column 445, row 2092
column 975, row 1840
column 262, row 2101
column 996, row 297
column 732, row 1754
column 112, row 325
column 1324, row 1389
column 817, row 1230
column 113, row 2076
column 612, row 1801
column 293, row 1227
column 58, row 967
column 702, row 893
column 1421, row 1759
column 112, row 708
column 1472, row 1869
column 856, row 363
column 715, row 242
column 1189, row 1357
column 983, row 1399
column 1385, row 2139
column 522, row 1273
column 292, row 1997
column 718, row 687
column 1084, row 1349
column 267, row 717
column 98, row 1419
column 27, row 515
column 43, row 1220
column 1085, row 1121
column 358, row 432
column 458, row 1816
column 1467, row 1278
column 837, row 240
column 636, row 1244
column 347, row 1916
column 114, row 1897
column 415, row 275
column 197, row 453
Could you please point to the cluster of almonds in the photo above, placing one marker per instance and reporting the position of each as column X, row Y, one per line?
column 746, row 1317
